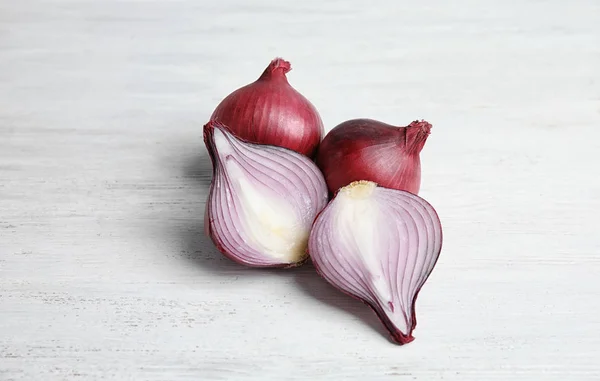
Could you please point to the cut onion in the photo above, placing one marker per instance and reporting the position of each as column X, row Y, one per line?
column 365, row 149
column 262, row 200
column 378, row 245
column 270, row 111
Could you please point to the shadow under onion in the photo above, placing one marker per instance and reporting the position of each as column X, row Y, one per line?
column 312, row 284
column 198, row 168
column 195, row 245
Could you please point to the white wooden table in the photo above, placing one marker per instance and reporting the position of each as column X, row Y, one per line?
column 105, row 273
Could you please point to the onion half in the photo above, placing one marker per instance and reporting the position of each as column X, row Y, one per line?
column 262, row 200
column 378, row 245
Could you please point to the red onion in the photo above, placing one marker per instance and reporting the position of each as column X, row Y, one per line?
column 262, row 200
column 365, row 149
column 270, row 111
column 378, row 245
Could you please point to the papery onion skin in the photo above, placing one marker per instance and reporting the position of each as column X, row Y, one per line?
column 293, row 177
column 342, row 269
column 366, row 149
column 270, row 111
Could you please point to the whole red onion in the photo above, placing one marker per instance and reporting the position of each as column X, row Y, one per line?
column 270, row 111
column 365, row 149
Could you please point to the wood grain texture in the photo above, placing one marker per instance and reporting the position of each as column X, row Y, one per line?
column 104, row 271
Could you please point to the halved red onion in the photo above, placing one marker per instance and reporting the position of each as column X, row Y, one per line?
column 378, row 245
column 262, row 200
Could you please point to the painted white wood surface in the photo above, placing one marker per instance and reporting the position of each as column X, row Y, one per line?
column 104, row 272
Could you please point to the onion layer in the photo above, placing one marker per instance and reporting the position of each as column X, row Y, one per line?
column 365, row 149
column 270, row 111
column 262, row 200
column 378, row 245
